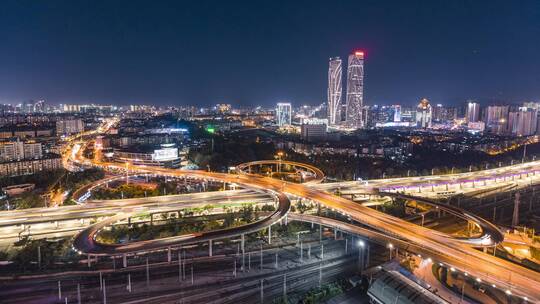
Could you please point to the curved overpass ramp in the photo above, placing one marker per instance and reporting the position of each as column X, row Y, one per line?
column 318, row 174
column 85, row 241
column 490, row 233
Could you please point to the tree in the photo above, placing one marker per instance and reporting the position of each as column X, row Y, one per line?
column 30, row 200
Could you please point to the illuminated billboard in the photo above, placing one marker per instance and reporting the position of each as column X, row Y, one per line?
column 165, row 154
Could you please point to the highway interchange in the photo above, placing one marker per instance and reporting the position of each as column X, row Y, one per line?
column 443, row 248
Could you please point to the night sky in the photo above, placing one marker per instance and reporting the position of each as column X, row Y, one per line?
column 261, row 52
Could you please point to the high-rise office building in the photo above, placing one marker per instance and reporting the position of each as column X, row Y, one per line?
column 423, row 114
column 283, row 114
column 334, row 91
column 355, row 89
column 473, row 111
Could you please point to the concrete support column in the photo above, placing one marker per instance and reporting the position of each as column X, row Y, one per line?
column 270, row 234
column 210, row 248
column 124, row 260
column 169, row 255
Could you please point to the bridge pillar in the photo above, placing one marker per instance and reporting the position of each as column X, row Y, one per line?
column 515, row 215
column 124, row 260
column 89, row 260
column 169, row 254
column 210, row 248
column 270, row 234
column 320, row 233
column 367, row 257
column 243, row 243
column 151, row 219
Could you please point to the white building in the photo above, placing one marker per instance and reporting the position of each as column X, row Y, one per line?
column 334, row 91
column 423, row 114
column 283, row 114
column 355, row 89
column 18, row 150
column 67, row 127
column 473, row 111
column 497, row 119
column 523, row 122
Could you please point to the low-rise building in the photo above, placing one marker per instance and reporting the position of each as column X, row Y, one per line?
column 165, row 155
column 313, row 132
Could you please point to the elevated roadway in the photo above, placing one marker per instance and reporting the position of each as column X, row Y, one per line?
column 516, row 279
column 317, row 174
column 86, row 242
column 491, row 234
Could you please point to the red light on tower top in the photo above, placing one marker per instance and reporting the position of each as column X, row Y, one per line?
column 359, row 53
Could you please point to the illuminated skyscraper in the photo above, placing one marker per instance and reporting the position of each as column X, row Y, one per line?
column 473, row 111
column 355, row 89
column 283, row 114
column 334, row 91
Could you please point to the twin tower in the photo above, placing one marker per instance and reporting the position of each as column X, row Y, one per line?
column 352, row 109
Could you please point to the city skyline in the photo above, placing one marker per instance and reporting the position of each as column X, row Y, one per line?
column 161, row 59
column 269, row 152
